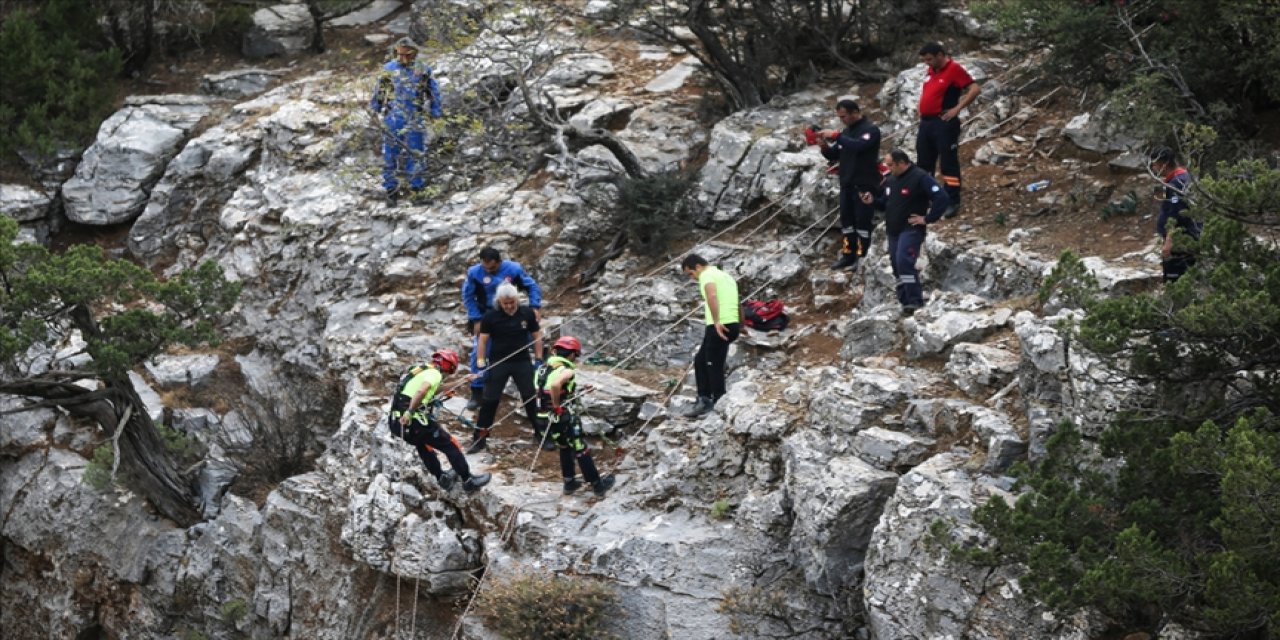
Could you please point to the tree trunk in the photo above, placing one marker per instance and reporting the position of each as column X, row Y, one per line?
column 743, row 87
column 583, row 138
column 142, row 450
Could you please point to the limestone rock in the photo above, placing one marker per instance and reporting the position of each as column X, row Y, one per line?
column 915, row 589
column 890, row 450
column 369, row 14
column 934, row 330
column 23, row 203
column 133, row 147
column 195, row 185
column 240, row 83
column 151, row 399
column 991, row 271
column 282, row 29
column 675, row 77
column 977, row 368
column 1090, row 132
column 872, row 333
column 836, row 501
column 391, row 536
column 992, row 431
column 191, row 370
column 1057, row 383
column 614, row 399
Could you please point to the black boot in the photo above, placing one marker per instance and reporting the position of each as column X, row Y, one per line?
column 603, row 485
column 477, row 393
column 571, row 485
column 952, row 210
column 476, row 481
column 447, row 479
column 703, row 406
column 479, row 441
column 846, row 261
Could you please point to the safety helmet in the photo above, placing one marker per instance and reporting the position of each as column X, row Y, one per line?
column 446, row 360
column 568, row 343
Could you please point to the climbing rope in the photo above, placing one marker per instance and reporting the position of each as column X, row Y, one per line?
column 772, row 204
column 507, row 527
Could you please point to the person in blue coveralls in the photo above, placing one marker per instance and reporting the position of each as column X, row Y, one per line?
column 405, row 94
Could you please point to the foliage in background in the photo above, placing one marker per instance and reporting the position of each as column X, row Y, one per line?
column 125, row 315
column 1175, row 513
column 654, row 210
column 759, row 49
column 1168, row 62
column 1069, row 281
column 547, row 607
column 58, row 77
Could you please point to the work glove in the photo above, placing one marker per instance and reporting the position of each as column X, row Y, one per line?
column 811, row 135
column 537, row 363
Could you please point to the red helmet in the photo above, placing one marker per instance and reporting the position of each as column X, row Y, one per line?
column 446, row 359
column 568, row 343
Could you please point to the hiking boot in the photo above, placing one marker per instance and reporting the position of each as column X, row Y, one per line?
column 571, row 485
column 703, row 406
column 477, row 393
column 447, row 479
column 909, row 310
column 952, row 211
column 476, row 481
column 603, row 485
column 846, row 261
column 478, row 444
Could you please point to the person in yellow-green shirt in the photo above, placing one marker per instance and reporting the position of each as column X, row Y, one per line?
column 413, row 419
column 722, row 316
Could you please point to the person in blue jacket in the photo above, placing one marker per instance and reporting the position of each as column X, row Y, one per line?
column 478, row 290
column 405, row 92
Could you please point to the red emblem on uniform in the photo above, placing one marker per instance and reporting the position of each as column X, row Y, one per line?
column 906, row 191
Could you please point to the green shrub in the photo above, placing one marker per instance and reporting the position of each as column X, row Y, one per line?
column 1171, row 514
column 59, row 78
column 233, row 611
column 653, row 210
column 721, row 510
column 1071, row 280
column 546, row 607
column 179, row 444
column 1161, row 61
column 97, row 474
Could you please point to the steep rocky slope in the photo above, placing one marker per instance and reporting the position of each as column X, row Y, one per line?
column 801, row 508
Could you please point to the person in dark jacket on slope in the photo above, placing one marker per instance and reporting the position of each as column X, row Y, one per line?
column 911, row 199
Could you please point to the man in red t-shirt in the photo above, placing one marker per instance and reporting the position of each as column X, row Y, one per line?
column 948, row 89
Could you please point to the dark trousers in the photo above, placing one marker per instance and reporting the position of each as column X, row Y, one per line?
column 904, row 250
column 1176, row 265
column 708, row 364
column 567, row 432
column 520, row 368
column 857, row 219
column 939, row 140
column 426, row 439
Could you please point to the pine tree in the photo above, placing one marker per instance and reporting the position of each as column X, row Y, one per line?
column 1176, row 516
column 125, row 315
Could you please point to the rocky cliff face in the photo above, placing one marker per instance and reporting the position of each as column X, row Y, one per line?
column 812, row 487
